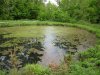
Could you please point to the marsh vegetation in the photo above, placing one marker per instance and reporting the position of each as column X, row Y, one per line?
column 39, row 38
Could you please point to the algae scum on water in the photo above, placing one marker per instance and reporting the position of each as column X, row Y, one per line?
column 21, row 45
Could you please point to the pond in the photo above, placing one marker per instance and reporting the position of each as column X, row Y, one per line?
column 45, row 45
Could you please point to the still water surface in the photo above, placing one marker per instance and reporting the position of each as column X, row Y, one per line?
column 41, row 44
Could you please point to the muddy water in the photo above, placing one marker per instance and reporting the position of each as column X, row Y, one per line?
column 41, row 44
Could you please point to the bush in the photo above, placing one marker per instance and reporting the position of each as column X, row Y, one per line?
column 13, row 72
column 78, row 70
column 91, row 53
column 34, row 69
column 86, row 64
column 2, row 73
column 97, row 63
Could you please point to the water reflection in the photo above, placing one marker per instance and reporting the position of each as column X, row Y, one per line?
column 52, row 53
column 57, row 41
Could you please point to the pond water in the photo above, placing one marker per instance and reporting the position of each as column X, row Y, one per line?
column 40, row 44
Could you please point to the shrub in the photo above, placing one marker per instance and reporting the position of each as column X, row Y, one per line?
column 2, row 73
column 78, row 70
column 86, row 64
column 97, row 63
column 13, row 72
column 34, row 69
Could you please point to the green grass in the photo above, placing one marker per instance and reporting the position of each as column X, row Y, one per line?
column 33, row 69
column 87, row 64
column 90, row 27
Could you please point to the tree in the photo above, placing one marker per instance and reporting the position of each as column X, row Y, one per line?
column 20, row 9
column 87, row 10
column 4, row 10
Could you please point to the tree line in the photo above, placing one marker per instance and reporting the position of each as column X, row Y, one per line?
column 66, row 11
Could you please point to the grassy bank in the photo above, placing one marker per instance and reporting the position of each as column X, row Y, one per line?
column 95, row 28
column 88, row 62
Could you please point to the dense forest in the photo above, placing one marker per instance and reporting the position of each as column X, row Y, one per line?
column 66, row 11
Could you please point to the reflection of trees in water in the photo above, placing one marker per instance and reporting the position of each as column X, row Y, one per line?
column 17, row 52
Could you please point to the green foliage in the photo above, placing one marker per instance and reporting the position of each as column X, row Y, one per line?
column 35, row 69
column 4, row 10
column 89, row 63
column 67, row 11
column 86, row 10
column 79, row 70
column 97, row 63
column 91, row 53
column 13, row 72
column 19, row 9
column 2, row 73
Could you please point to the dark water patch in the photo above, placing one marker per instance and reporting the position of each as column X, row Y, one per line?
column 66, row 45
column 20, row 52
column 3, row 39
